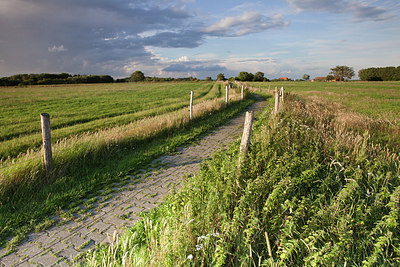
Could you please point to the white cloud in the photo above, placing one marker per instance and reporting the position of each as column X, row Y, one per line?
column 56, row 49
column 183, row 59
column 246, row 23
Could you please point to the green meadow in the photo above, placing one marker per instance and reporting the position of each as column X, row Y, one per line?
column 374, row 99
column 76, row 109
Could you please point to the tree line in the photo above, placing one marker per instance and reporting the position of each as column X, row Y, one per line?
column 49, row 78
column 380, row 74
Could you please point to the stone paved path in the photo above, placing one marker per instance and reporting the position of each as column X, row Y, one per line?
column 61, row 244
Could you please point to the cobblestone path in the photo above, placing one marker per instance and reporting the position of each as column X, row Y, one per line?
column 61, row 244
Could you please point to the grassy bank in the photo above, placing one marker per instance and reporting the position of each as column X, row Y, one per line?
column 312, row 192
column 90, row 162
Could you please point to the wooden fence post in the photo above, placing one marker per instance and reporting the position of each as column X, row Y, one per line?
column 191, row 105
column 46, row 137
column 227, row 94
column 244, row 145
column 282, row 94
column 242, row 94
column 276, row 100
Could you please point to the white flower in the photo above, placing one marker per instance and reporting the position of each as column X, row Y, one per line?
column 190, row 257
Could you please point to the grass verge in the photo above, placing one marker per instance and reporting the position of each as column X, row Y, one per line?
column 312, row 192
column 82, row 171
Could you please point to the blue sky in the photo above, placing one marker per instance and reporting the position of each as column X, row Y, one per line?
column 197, row 38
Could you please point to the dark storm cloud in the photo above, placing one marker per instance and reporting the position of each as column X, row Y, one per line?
column 187, row 39
column 360, row 10
column 76, row 35
column 101, row 36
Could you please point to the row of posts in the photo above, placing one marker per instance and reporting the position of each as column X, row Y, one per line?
column 244, row 145
column 46, row 131
column 226, row 99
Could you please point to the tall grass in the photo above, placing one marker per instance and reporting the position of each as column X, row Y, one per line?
column 312, row 192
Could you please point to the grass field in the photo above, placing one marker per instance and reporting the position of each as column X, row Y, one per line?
column 90, row 161
column 360, row 106
column 312, row 192
column 380, row 100
column 75, row 109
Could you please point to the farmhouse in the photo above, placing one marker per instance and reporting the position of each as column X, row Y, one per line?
column 284, row 79
column 319, row 79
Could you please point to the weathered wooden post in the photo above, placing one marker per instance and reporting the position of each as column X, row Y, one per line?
column 227, row 94
column 244, row 145
column 46, row 137
column 191, row 105
column 276, row 100
column 282, row 94
column 242, row 93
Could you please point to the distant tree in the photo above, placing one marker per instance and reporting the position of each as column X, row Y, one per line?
column 245, row 76
column 342, row 72
column 221, row 77
column 330, row 78
column 380, row 74
column 306, row 77
column 259, row 76
column 208, row 79
column 137, row 76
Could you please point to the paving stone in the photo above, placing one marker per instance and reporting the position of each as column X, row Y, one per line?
column 31, row 251
column 115, row 221
column 62, row 263
column 26, row 264
column 69, row 253
column 46, row 260
column 76, row 241
column 97, row 237
column 100, row 226
column 134, row 210
column 45, row 240
column 60, row 233
column 59, row 246
column 10, row 259
column 148, row 205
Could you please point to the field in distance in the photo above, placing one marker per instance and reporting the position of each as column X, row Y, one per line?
column 379, row 100
column 75, row 109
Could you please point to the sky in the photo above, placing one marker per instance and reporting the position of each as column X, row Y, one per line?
column 199, row 38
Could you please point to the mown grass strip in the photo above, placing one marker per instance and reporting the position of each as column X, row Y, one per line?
column 311, row 193
column 30, row 203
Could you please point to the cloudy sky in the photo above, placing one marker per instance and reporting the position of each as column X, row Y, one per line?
column 181, row 38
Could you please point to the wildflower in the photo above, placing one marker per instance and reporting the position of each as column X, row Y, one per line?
column 198, row 247
column 201, row 238
column 190, row 257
